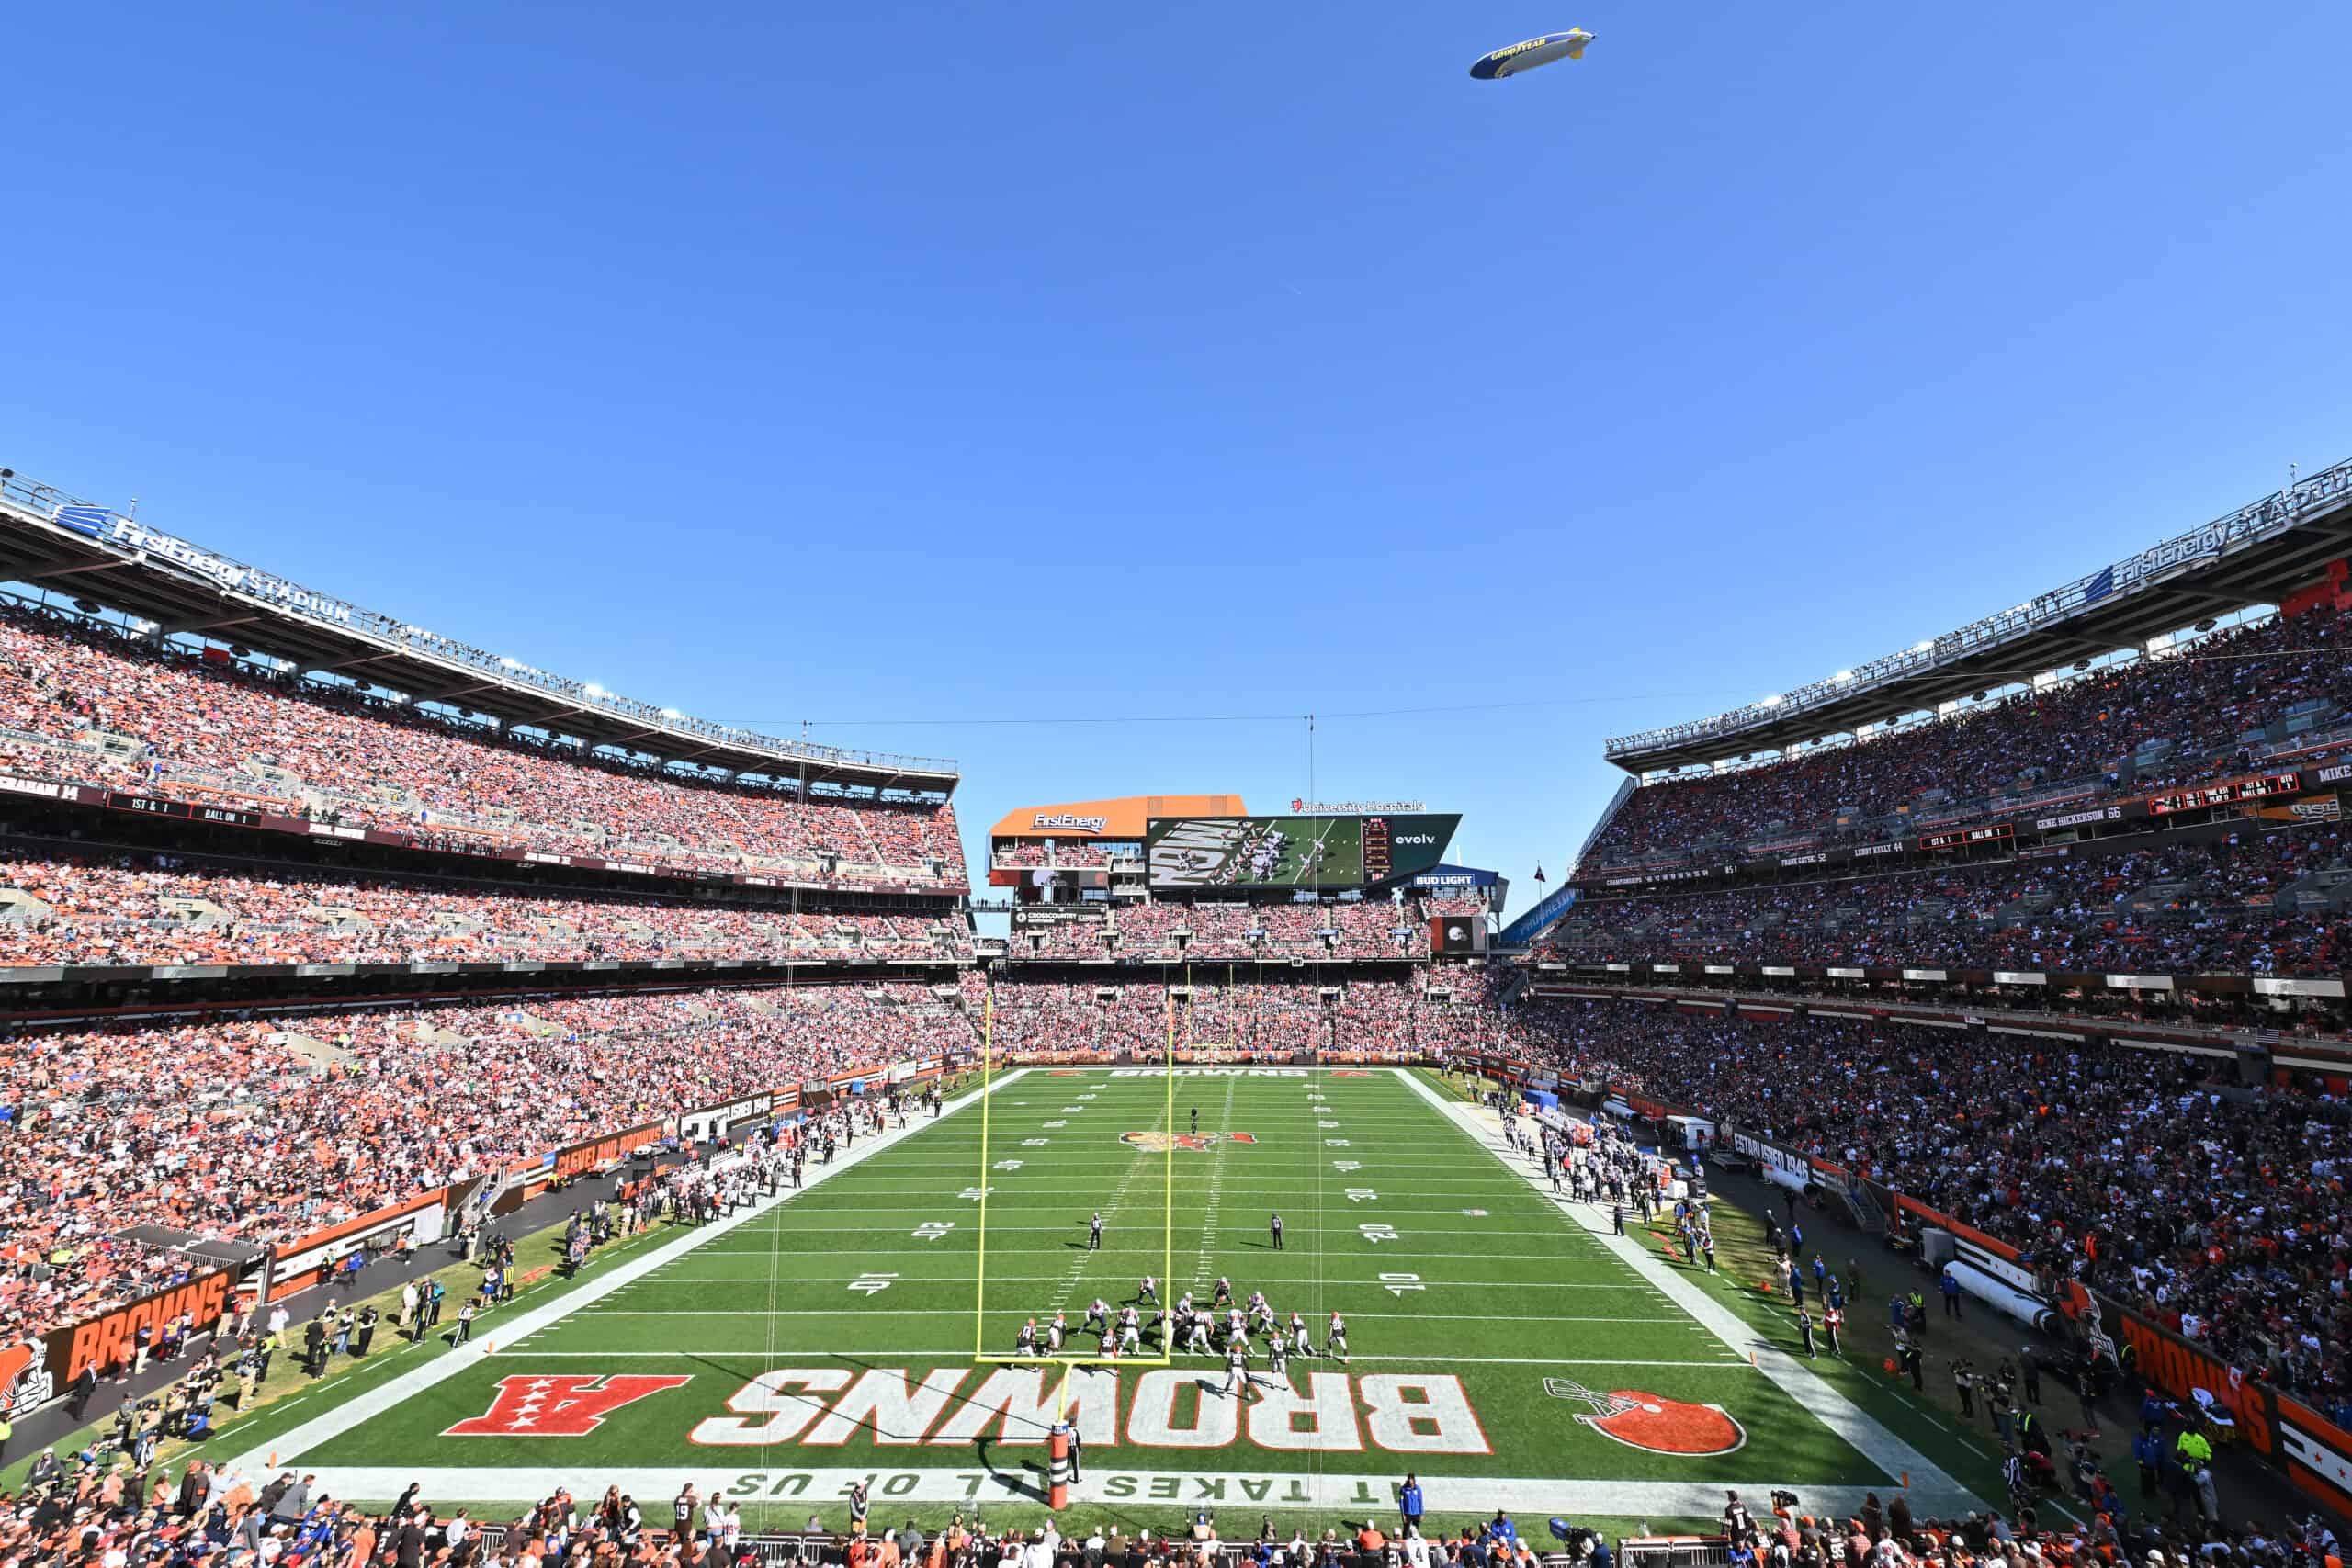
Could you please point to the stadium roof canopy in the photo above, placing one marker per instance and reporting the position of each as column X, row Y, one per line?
column 76, row 549
column 2250, row 556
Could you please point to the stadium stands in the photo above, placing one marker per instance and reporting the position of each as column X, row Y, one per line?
column 147, row 1521
column 1274, row 933
column 83, row 703
column 2216, row 1211
column 2220, row 707
column 157, row 910
column 258, row 1132
column 2256, row 903
column 1389, row 1014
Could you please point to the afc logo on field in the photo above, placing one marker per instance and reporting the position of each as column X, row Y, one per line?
column 560, row 1405
column 1161, row 1143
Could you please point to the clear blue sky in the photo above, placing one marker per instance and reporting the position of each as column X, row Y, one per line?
column 865, row 364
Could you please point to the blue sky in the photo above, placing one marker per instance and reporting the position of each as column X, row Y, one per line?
column 875, row 364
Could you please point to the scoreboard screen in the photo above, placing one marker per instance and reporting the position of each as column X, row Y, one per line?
column 1314, row 854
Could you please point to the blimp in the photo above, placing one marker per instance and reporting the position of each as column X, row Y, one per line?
column 1530, row 53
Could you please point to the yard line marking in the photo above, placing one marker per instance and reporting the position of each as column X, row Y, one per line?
column 947, row 1249
column 1204, row 1363
column 1216, row 1188
column 366, row 1406
column 1484, row 1285
column 959, row 1312
column 1863, row 1432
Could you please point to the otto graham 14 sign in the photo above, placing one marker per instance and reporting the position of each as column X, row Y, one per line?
column 1323, row 853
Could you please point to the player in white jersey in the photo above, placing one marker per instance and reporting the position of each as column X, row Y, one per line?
column 1261, row 1313
column 1130, row 1330
column 1147, row 1291
column 1277, row 1357
column 1098, row 1319
column 1198, row 1341
column 1056, row 1332
column 1222, row 1294
column 1336, row 1346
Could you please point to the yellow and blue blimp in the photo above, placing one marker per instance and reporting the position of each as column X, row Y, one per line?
column 1530, row 53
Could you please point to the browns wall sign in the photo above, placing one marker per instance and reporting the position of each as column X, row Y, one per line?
column 102, row 1340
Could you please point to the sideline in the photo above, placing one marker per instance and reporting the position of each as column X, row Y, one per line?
column 327, row 1427
column 1933, row 1490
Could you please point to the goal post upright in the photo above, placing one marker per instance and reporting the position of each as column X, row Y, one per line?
column 980, row 1270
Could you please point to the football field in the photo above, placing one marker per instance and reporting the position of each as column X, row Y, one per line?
column 1504, row 1347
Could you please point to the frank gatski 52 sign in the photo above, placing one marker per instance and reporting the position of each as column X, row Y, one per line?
column 1405, row 1413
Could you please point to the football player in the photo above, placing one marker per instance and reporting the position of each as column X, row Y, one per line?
column 1336, row 1343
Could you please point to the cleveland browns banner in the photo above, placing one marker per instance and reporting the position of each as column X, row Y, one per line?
column 2316, row 1454
column 33, row 1373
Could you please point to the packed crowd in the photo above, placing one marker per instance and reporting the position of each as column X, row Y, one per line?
column 88, row 1510
column 164, row 909
column 2220, row 1213
column 2076, row 731
column 1285, row 1016
column 1272, row 933
column 209, row 727
column 2214, row 907
column 1026, row 853
column 259, row 1132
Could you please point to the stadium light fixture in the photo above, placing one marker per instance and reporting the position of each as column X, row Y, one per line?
column 672, row 712
column 594, row 690
column 510, row 662
column 1926, row 647
column 1843, row 676
column 1771, row 702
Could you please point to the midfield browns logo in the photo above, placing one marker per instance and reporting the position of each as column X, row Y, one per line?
column 1652, row 1422
column 1161, row 1143
column 559, row 1404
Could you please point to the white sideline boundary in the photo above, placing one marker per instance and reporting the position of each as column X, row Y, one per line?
column 1932, row 1489
column 332, row 1424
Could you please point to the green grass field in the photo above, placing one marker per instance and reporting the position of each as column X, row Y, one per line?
column 1502, row 1349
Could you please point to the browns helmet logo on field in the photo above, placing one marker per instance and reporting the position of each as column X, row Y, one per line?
column 1652, row 1422
column 1161, row 1143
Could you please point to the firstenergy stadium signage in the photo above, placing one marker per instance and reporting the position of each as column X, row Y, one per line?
column 1067, row 822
